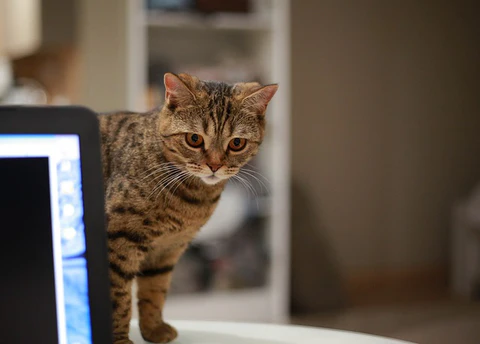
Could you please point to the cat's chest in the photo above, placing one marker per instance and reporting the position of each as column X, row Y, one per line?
column 183, row 218
column 179, row 226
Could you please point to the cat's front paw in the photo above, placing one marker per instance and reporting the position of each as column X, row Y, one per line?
column 123, row 341
column 163, row 333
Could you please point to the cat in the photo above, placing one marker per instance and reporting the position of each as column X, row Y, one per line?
column 164, row 172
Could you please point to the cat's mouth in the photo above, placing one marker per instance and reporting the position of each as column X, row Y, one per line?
column 207, row 176
column 212, row 179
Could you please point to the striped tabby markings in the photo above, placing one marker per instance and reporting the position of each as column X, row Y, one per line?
column 154, row 272
column 153, row 283
column 120, row 272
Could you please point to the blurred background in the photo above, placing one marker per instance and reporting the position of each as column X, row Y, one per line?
column 363, row 210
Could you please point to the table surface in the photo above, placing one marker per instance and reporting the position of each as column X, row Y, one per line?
column 209, row 332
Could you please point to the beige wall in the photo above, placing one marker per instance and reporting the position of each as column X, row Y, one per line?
column 385, row 125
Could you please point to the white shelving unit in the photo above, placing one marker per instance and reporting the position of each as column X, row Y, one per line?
column 262, row 36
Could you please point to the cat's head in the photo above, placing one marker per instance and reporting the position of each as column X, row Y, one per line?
column 212, row 129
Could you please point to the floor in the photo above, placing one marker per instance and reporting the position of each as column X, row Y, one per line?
column 440, row 322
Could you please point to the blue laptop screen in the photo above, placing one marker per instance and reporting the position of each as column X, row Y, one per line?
column 42, row 250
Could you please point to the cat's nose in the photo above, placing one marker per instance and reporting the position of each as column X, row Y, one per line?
column 214, row 167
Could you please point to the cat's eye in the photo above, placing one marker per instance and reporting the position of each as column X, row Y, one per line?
column 194, row 140
column 237, row 144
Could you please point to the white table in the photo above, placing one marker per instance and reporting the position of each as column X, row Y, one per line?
column 209, row 332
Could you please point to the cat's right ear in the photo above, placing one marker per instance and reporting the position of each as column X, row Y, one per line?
column 176, row 91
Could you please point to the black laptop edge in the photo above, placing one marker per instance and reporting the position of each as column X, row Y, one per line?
column 84, row 123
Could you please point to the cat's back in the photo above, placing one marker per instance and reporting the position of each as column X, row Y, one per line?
column 111, row 123
column 122, row 134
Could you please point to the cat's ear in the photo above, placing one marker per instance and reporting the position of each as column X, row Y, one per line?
column 177, row 91
column 189, row 80
column 258, row 97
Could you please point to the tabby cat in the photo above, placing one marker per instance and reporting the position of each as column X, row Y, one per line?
column 164, row 172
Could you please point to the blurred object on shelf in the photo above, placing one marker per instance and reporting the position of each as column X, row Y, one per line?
column 193, row 273
column 171, row 5
column 217, row 21
column 231, row 213
column 211, row 6
column 473, row 207
column 25, row 92
column 245, row 261
column 230, row 68
column 465, row 247
column 6, row 76
column 204, row 6
column 20, row 27
column 236, row 261
column 20, row 35
column 56, row 69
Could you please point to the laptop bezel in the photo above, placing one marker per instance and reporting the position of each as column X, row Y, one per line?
column 84, row 123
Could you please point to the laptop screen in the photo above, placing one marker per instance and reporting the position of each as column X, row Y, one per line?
column 44, row 286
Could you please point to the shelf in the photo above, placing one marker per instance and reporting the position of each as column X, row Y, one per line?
column 218, row 21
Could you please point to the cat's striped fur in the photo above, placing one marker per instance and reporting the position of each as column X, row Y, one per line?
column 158, row 193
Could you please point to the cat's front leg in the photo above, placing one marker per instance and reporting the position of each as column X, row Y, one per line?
column 153, row 284
column 123, row 270
column 127, row 249
column 128, row 245
column 120, row 294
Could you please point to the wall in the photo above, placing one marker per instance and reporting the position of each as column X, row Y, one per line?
column 385, row 131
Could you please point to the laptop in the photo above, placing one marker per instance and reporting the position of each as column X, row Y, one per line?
column 54, row 285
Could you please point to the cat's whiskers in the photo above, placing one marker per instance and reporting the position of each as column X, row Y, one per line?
column 157, row 165
column 165, row 172
column 190, row 181
column 255, row 172
column 170, row 181
column 246, row 183
column 249, row 185
column 164, row 178
column 176, row 185
column 160, row 172
column 235, row 181
column 161, row 182
column 159, row 168
column 151, row 168
column 259, row 181
column 170, row 184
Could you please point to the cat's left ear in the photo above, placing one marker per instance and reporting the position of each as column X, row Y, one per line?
column 258, row 100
